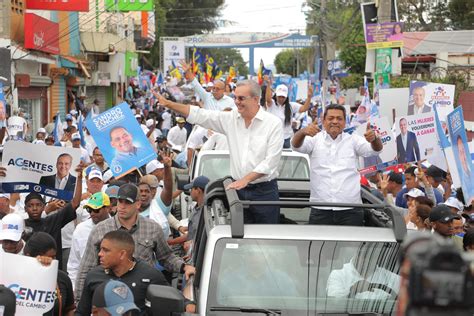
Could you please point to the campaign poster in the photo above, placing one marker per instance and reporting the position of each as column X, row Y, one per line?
column 384, row 35
column 388, row 156
column 34, row 284
column 462, row 156
column 48, row 170
column 120, row 139
column 381, row 81
column 416, row 138
column 383, row 60
column 425, row 95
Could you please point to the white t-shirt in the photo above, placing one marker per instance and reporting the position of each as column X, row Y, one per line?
column 166, row 116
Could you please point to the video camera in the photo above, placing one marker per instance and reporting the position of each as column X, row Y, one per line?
column 441, row 278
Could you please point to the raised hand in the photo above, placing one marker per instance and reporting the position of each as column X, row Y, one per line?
column 369, row 133
column 312, row 129
column 161, row 99
column 310, row 91
column 187, row 70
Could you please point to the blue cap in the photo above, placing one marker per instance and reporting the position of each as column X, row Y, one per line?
column 112, row 191
column 115, row 296
column 68, row 117
column 198, row 182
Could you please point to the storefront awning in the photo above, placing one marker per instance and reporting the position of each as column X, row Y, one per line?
column 79, row 62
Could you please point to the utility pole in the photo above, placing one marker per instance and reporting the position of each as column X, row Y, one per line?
column 384, row 11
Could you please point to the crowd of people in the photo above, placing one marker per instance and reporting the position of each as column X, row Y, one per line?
column 125, row 229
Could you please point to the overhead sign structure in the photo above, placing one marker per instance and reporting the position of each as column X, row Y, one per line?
column 41, row 34
column 173, row 52
column 58, row 5
column 129, row 5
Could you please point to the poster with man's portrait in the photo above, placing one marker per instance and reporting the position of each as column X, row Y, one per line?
column 48, row 170
column 425, row 95
column 120, row 139
column 462, row 156
column 416, row 138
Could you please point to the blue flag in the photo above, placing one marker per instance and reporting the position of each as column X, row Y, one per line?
column 443, row 139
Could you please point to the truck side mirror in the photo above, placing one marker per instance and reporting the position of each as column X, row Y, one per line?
column 165, row 300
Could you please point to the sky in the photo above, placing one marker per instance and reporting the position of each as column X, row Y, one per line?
column 280, row 16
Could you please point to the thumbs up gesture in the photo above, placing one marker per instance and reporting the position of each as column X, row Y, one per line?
column 312, row 129
column 369, row 133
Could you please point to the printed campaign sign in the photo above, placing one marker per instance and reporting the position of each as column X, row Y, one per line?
column 388, row 155
column 424, row 95
column 33, row 284
column 384, row 35
column 47, row 170
column 393, row 102
column 416, row 138
column 462, row 156
column 120, row 139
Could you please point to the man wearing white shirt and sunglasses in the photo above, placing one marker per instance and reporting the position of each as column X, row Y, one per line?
column 255, row 140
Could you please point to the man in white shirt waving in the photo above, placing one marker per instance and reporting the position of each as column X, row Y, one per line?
column 334, row 157
column 255, row 140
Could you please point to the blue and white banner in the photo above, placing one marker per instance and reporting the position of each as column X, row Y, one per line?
column 47, row 170
column 34, row 284
column 120, row 139
column 424, row 96
column 462, row 157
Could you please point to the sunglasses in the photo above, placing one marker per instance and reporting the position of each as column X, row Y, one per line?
column 92, row 210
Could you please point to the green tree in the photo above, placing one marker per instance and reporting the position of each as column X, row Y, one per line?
column 226, row 57
column 461, row 13
column 292, row 61
column 424, row 15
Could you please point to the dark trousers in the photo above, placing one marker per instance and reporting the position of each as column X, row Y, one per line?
column 261, row 214
column 350, row 217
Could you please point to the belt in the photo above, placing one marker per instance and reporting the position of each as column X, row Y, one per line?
column 259, row 184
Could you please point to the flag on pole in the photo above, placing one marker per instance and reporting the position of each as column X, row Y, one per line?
column 80, row 127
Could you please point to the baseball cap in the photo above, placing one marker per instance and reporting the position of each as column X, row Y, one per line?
column 128, row 192
column 12, row 227
column 98, row 200
column 210, row 84
column 5, row 195
column 41, row 130
column 153, row 165
column 68, row 117
column 180, row 120
column 75, row 136
column 198, row 182
column 395, row 177
column 204, row 85
column 138, row 116
column 414, row 193
column 33, row 196
column 115, row 296
column 73, row 112
column 443, row 214
column 112, row 191
column 281, row 91
column 107, row 175
column 149, row 123
column 7, row 301
column 455, row 203
column 160, row 139
column 151, row 180
column 95, row 173
column 436, row 173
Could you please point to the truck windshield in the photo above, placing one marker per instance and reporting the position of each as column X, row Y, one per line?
column 305, row 277
column 218, row 166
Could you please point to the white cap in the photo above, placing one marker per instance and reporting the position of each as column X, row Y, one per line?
column 12, row 226
column 76, row 136
column 39, row 142
column 74, row 125
column 41, row 130
column 107, row 175
column 414, row 193
column 95, row 173
column 281, row 91
column 204, row 85
column 149, row 122
column 210, row 84
column 5, row 195
column 138, row 116
column 73, row 112
column 153, row 165
column 455, row 203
